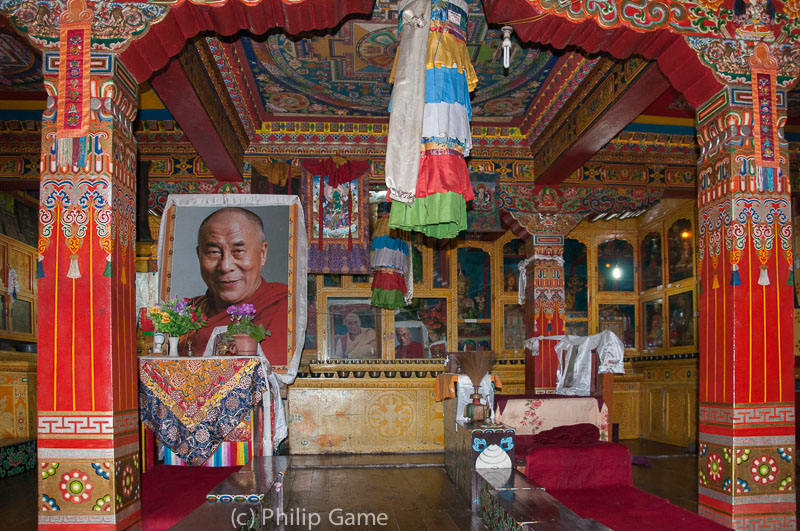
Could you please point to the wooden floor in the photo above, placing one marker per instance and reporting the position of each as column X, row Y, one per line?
column 412, row 490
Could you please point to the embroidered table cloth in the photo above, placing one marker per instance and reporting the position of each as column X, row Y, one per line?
column 192, row 404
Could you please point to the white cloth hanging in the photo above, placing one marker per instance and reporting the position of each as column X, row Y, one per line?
column 574, row 375
column 408, row 101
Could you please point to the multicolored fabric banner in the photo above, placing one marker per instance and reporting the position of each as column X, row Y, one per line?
column 443, row 185
column 74, row 72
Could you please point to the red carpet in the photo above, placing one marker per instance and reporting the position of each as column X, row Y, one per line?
column 169, row 493
column 595, row 481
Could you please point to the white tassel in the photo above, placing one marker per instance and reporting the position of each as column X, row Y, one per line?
column 763, row 277
column 74, row 271
column 64, row 152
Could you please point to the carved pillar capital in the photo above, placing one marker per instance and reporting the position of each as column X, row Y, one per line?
column 113, row 24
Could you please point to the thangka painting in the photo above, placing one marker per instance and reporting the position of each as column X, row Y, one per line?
column 483, row 215
column 336, row 203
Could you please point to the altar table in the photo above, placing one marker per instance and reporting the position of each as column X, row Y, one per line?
column 193, row 404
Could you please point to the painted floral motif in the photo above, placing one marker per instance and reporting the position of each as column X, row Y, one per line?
column 102, row 469
column 49, row 504
column 127, row 481
column 726, row 454
column 714, row 467
column 48, row 469
column 764, row 469
column 726, row 485
column 103, row 504
column 742, row 485
column 786, row 483
column 742, row 456
column 75, row 486
column 703, row 480
column 530, row 418
column 786, row 454
column 703, row 449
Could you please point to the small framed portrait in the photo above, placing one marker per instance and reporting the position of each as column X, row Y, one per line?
column 230, row 249
column 354, row 329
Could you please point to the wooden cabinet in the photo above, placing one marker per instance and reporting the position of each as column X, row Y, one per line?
column 17, row 394
column 627, row 405
column 17, row 315
column 670, row 402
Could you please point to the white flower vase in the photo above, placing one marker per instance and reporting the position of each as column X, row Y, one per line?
column 173, row 346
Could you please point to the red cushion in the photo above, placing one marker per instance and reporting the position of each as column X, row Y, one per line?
column 582, row 433
column 170, row 493
column 583, row 466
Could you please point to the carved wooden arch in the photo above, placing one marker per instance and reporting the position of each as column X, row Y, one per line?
column 676, row 60
column 166, row 38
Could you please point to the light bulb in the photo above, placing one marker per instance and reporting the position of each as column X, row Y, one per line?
column 506, row 45
column 616, row 272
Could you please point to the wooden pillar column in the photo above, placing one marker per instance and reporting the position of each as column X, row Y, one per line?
column 746, row 386
column 544, row 309
column 87, row 384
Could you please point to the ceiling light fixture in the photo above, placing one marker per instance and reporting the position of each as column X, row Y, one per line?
column 506, row 45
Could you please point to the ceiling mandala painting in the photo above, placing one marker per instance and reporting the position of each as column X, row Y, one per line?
column 347, row 73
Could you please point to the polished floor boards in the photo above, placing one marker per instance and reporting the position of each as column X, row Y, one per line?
column 411, row 490
column 672, row 473
column 414, row 496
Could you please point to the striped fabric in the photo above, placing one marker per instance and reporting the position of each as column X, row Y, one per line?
column 443, row 186
column 390, row 263
column 228, row 454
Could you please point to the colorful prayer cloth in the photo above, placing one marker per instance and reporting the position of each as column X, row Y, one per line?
column 442, row 183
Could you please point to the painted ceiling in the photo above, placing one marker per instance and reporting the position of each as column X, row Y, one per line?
column 347, row 73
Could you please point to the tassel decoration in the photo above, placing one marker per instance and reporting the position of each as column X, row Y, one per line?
column 124, row 277
column 763, row 277
column 790, row 280
column 108, row 272
column 549, row 326
column 715, row 281
column 74, row 271
column 735, row 279
column 700, row 284
column 39, row 267
column 64, row 153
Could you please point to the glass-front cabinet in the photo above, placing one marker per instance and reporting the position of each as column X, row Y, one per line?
column 669, row 307
column 17, row 309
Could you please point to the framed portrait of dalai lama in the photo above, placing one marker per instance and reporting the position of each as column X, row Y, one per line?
column 223, row 250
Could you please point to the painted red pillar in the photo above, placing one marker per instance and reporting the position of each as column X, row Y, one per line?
column 544, row 309
column 746, row 385
column 87, row 394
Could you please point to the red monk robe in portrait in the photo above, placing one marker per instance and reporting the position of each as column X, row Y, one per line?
column 271, row 301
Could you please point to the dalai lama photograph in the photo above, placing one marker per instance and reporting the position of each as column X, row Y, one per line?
column 230, row 256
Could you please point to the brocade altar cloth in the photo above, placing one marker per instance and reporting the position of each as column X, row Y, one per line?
column 192, row 404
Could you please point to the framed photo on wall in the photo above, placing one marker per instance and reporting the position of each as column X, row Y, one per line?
column 219, row 250
column 354, row 329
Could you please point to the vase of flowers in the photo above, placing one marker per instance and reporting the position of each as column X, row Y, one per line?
column 245, row 333
column 174, row 319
